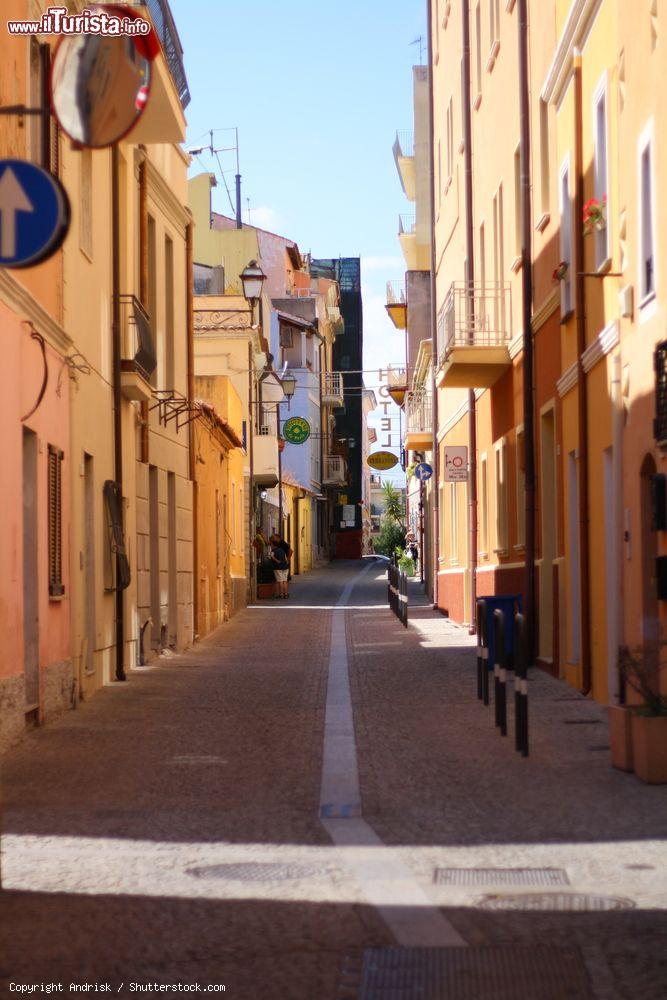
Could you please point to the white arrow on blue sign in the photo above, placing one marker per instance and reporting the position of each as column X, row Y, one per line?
column 34, row 213
column 423, row 472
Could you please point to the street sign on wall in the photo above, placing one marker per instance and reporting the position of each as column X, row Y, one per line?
column 456, row 464
column 34, row 214
column 382, row 460
column 296, row 430
column 423, row 472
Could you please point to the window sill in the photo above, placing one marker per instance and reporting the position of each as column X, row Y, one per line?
column 566, row 317
column 520, row 549
column 543, row 222
column 516, row 265
column 509, row 6
column 453, row 562
column 462, row 147
column 503, row 553
column 448, row 184
column 647, row 300
column 604, row 266
column 482, row 555
column 477, row 102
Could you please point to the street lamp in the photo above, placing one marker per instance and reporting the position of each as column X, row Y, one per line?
column 252, row 278
column 252, row 281
column 288, row 382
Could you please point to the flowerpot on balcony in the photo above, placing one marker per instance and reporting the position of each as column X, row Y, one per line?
column 620, row 737
column 649, row 747
column 265, row 591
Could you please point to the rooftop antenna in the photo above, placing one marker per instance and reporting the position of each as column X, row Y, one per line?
column 236, row 208
column 419, row 40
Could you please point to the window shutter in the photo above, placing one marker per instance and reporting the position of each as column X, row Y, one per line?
column 56, row 588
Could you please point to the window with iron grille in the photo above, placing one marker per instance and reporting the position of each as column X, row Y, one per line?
column 660, row 365
column 56, row 587
column 286, row 336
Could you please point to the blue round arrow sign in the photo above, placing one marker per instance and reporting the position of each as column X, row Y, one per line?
column 423, row 472
column 34, row 213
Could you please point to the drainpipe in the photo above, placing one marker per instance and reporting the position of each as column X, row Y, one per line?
column 252, row 576
column 435, row 524
column 527, row 310
column 190, row 333
column 470, row 278
column 117, row 415
column 616, row 595
column 143, row 284
column 582, row 393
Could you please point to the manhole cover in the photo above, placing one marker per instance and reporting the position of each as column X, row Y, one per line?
column 257, row 871
column 475, row 973
column 500, row 876
column 561, row 901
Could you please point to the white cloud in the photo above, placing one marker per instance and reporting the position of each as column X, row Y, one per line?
column 265, row 217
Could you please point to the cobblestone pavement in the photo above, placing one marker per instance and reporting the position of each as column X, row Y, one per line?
column 168, row 830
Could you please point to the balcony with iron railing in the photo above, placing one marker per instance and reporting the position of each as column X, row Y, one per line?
column 419, row 421
column 165, row 29
column 397, row 304
column 335, row 471
column 474, row 335
column 407, row 237
column 333, row 389
column 138, row 355
column 265, row 451
column 404, row 155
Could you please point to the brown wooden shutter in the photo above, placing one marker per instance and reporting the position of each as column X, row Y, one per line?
column 56, row 588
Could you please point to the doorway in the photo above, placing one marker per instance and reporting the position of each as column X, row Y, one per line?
column 30, row 573
column 154, row 544
column 89, row 563
column 649, row 550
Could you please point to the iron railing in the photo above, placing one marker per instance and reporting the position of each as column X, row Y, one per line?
column 332, row 386
column 396, row 294
column 404, row 144
column 138, row 346
column 407, row 224
column 419, row 412
column 474, row 316
column 334, row 469
column 165, row 29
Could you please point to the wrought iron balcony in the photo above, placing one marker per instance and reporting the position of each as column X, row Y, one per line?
column 265, row 452
column 397, row 304
column 407, row 225
column 165, row 29
column 404, row 155
column 473, row 335
column 419, row 421
column 138, row 356
column 333, row 389
column 335, row 471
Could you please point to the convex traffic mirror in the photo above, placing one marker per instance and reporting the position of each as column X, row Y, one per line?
column 100, row 83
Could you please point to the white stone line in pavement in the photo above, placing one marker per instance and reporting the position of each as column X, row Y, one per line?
column 388, row 885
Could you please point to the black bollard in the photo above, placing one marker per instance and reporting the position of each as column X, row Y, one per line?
column 521, row 687
column 500, row 672
column 482, row 650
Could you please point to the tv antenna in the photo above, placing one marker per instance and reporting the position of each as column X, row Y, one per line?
column 419, row 40
column 215, row 151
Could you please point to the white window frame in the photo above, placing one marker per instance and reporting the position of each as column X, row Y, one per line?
column 498, row 258
column 601, row 167
column 545, row 157
column 502, row 497
column 566, row 213
column 483, row 539
column 646, row 144
column 520, row 475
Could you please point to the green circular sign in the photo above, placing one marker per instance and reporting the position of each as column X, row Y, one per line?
column 296, row 430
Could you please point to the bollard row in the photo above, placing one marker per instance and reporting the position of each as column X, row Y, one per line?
column 397, row 593
column 496, row 653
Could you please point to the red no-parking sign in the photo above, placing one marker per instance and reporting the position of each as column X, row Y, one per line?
column 456, row 464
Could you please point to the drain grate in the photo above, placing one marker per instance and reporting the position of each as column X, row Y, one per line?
column 500, row 876
column 257, row 871
column 484, row 973
column 560, row 901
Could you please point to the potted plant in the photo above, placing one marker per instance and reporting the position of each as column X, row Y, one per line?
column 641, row 668
column 265, row 579
column 595, row 216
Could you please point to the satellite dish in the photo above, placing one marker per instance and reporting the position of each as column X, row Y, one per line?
column 100, row 84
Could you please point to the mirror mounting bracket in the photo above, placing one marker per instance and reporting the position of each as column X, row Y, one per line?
column 21, row 110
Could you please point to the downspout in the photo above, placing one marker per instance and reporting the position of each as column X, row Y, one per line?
column 582, row 393
column 470, row 279
column 323, row 509
column 143, row 284
column 616, row 596
column 527, row 310
column 117, row 415
column 435, row 548
column 190, row 333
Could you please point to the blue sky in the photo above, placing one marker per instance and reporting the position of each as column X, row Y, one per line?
column 317, row 91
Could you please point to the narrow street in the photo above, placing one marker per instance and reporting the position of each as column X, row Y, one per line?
column 201, row 824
